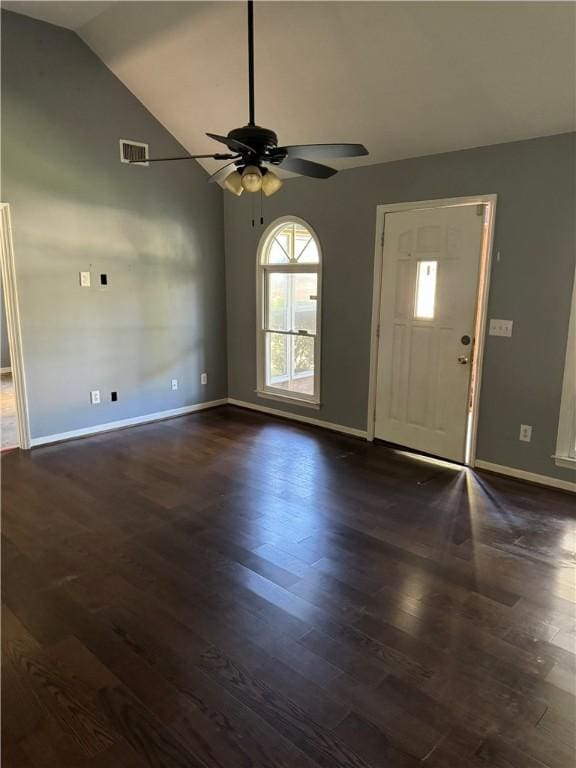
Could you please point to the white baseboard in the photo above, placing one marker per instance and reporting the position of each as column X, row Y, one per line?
column 8, row 369
column 531, row 477
column 121, row 423
column 296, row 417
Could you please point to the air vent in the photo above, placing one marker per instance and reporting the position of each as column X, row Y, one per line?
column 133, row 152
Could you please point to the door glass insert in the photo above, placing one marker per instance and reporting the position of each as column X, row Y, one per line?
column 425, row 290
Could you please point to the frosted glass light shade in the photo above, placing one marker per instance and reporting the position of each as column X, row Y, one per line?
column 271, row 183
column 252, row 179
column 233, row 183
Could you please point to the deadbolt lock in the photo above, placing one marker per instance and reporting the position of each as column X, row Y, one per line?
column 462, row 359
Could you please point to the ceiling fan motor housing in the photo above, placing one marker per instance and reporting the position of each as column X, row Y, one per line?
column 262, row 140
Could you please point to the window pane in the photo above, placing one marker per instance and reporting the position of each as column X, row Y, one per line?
column 278, row 301
column 303, row 357
column 277, row 360
column 279, row 249
column 290, row 363
column 292, row 301
column 305, row 250
column 304, row 287
column 425, row 290
column 309, row 254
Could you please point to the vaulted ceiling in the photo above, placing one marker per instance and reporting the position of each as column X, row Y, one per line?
column 404, row 78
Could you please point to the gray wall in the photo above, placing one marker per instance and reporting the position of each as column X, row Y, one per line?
column 530, row 284
column 156, row 232
column 5, row 347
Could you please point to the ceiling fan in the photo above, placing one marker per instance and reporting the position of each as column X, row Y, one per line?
column 254, row 149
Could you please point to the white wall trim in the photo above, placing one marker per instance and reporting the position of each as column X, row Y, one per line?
column 565, row 461
column 531, row 477
column 482, row 297
column 123, row 423
column 8, row 369
column 13, row 327
column 288, row 400
column 296, row 417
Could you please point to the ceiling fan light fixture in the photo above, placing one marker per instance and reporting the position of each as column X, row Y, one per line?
column 271, row 183
column 233, row 183
column 252, row 178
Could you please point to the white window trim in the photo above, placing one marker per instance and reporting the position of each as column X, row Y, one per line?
column 565, row 455
column 262, row 389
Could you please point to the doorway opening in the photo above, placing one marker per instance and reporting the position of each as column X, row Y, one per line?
column 431, row 278
column 9, row 435
column 14, row 426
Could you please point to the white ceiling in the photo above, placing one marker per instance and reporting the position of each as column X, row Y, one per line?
column 404, row 78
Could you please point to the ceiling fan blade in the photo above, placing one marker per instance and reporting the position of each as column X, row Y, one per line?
column 221, row 173
column 237, row 146
column 217, row 156
column 307, row 168
column 321, row 151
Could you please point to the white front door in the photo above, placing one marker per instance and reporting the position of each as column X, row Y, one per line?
column 431, row 261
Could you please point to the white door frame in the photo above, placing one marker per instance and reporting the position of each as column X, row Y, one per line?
column 481, row 306
column 13, row 324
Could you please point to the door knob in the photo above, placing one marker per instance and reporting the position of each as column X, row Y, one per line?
column 462, row 359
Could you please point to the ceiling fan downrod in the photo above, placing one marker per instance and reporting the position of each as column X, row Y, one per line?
column 251, row 62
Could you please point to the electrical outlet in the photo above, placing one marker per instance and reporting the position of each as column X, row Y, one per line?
column 95, row 396
column 85, row 279
column 174, row 384
column 114, row 396
column 204, row 378
column 103, row 280
column 500, row 328
column 525, row 433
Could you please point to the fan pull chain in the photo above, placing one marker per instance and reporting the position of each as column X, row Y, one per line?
column 261, row 216
column 253, row 219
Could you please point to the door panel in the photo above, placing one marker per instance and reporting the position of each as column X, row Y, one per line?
column 431, row 262
column 419, row 373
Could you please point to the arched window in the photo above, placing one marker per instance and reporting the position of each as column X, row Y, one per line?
column 289, row 287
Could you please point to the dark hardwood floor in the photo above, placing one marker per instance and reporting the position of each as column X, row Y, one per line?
column 226, row 590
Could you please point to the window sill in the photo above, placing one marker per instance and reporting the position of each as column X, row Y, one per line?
column 565, row 461
column 290, row 400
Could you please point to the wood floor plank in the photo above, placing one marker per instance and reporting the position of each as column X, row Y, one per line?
column 64, row 698
column 159, row 747
column 372, row 744
column 286, row 716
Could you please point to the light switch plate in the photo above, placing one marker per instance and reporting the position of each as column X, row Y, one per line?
column 204, row 378
column 95, row 396
column 500, row 328
column 85, row 279
column 174, row 384
column 525, row 433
